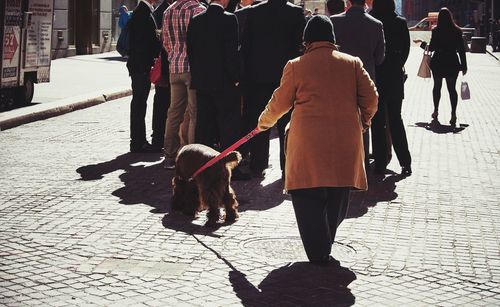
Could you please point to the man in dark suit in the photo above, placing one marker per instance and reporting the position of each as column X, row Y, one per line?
column 361, row 35
column 212, row 49
column 161, row 100
column 144, row 47
column 242, row 12
column 272, row 36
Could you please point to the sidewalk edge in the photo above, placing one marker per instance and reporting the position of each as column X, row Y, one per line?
column 60, row 110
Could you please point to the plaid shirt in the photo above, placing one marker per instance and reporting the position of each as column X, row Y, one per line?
column 175, row 22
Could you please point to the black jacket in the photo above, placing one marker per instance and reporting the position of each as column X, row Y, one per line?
column 446, row 45
column 144, row 44
column 242, row 13
column 390, row 74
column 212, row 48
column 272, row 36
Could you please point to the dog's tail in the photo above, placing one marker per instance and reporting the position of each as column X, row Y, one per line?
column 232, row 159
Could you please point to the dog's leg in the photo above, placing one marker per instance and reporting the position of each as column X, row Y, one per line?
column 212, row 197
column 231, row 205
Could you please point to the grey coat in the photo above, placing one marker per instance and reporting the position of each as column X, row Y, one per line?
column 360, row 35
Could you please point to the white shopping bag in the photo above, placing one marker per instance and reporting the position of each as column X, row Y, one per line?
column 464, row 90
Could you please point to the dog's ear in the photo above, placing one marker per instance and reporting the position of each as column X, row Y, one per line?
column 232, row 159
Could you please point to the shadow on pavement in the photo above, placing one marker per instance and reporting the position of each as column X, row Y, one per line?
column 248, row 194
column 183, row 223
column 436, row 127
column 298, row 284
column 381, row 189
column 114, row 58
column 144, row 179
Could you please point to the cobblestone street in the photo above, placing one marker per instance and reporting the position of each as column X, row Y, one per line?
column 84, row 222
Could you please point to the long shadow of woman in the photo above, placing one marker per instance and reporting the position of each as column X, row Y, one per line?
column 298, row 284
column 379, row 191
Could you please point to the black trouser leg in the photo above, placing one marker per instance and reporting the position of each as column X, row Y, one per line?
column 160, row 109
column 379, row 138
column 256, row 98
column 206, row 115
column 319, row 211
column 398, row 132
column 140, row 92
column 228, row 115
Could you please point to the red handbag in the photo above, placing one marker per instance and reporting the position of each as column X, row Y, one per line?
column 155, row 73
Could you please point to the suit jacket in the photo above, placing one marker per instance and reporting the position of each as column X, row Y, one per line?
column 333, row 99
column 390, row 74
column 272, row 36
column 144, row 44
column 361, row 35
column 212, row 49
column 446, row 45
column 242, row 13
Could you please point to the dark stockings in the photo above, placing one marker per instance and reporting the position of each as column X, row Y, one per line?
column 436, row 92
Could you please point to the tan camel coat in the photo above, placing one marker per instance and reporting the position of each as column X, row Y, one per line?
column 333, row 99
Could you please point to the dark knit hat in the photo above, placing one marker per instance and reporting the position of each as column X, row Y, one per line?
column 319, row 28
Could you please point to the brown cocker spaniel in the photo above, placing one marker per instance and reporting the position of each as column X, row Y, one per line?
column 210, row 189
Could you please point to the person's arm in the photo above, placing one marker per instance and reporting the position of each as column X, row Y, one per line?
column 379, row 54
column 167, row 44
column 299, row 31
column 366, row 95
column 190, row 45
column 405, row 42
column 231, row 58
column 461, row 54
column 281, row 101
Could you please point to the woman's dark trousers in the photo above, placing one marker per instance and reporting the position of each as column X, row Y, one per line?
column 389, row 117
column 140, row 92
column 319, row 211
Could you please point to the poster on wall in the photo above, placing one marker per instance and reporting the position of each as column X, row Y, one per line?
column 39, row 33
column 11, row 43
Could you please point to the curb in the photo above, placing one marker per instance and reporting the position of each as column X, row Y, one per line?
column 60, row 107
column 491, row 53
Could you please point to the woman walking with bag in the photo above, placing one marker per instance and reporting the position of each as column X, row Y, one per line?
column 390, row 77
column 446, row 42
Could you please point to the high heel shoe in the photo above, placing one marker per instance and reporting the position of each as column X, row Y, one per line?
column 435, row 115
column 453, row 120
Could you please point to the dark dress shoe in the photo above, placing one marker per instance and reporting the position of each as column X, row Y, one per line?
column 259, row 173
column 379, row 171
column 325, row 262
column 406, row 170
column 144, row 148
column 239, row 175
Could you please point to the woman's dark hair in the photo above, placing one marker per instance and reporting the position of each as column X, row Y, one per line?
column 382, row 7
column 445, row 21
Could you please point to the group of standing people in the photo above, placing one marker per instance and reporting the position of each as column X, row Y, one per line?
column 263, row 66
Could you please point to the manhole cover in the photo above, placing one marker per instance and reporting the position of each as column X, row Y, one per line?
column 291, row 249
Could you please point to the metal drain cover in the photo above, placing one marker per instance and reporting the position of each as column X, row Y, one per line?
column 291, row 249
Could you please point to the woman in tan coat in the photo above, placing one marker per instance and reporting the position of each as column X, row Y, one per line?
column 334, row 100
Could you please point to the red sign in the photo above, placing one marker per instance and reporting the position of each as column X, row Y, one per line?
column 9, row 44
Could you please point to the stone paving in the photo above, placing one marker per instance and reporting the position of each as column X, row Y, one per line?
column 83, row 222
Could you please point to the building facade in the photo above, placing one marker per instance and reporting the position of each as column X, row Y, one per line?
column 86, row 26
column 465, row 12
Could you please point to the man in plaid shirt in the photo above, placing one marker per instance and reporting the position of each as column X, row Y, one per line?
column 175, row 23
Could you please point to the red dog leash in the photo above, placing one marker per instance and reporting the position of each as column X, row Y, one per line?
column 215, row 159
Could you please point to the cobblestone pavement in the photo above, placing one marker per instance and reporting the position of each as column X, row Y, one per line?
column 83, row 222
